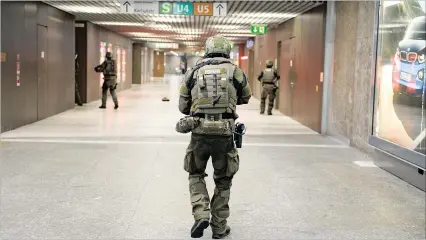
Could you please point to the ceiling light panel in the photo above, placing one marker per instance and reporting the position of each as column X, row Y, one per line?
column 120, row 23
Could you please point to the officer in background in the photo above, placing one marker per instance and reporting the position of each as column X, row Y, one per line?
column 270, row 83
column 209, row 94
column 77, row 89
column 108, row 68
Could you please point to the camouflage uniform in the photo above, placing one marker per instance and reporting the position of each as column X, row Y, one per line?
column 215, row 78
column 269, row 78
column 108, row 67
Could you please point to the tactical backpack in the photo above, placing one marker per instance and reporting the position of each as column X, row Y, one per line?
column 213, row 95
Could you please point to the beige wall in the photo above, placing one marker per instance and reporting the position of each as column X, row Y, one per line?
column 353, row 72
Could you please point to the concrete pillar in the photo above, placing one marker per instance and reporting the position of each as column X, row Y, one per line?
column 330, row 27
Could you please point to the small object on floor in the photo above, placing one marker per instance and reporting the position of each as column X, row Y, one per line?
column 197, row 229
column 102, row 107
column 223, row 235
column 165, row 99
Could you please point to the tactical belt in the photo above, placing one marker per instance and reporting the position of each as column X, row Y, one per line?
column 224, row 115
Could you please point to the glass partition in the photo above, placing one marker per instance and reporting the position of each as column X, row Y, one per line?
column 400, row 107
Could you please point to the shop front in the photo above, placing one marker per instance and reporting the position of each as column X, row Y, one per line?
column 399, row 133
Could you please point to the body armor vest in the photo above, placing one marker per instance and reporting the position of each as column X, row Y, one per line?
column 214, row 93
column 268, row 75
column 110, row 68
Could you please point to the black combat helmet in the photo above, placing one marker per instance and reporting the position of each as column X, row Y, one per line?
column 108, row 55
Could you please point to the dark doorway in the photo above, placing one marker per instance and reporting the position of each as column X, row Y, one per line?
column 42, row 89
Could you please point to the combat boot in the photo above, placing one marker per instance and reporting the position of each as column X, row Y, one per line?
column 222, row 235
column 102, row 107
column 116, row 106
column 269, row 113
column 197, row 229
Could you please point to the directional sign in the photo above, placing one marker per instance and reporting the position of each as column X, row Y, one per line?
column 203, row 9
column 141, row 7
column 126, row 6
column 150, row 7
column 166, row 8
column 194, row 8
column 220, row 9
column 259, row 29
column 183, row 8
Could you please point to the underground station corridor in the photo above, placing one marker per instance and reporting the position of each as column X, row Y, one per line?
column 340, row 154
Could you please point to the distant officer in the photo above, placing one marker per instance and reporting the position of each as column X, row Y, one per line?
column 209, row 94
column 77, row 89
column 108, row 68
column 270, row 83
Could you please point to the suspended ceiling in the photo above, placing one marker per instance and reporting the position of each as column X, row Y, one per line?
column 186, row 30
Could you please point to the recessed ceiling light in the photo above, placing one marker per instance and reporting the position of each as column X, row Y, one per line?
column 238, row 35
column 88, row 9
column 265, row 15
column 120, row 23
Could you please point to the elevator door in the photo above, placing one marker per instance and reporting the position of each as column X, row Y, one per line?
column 42, row 88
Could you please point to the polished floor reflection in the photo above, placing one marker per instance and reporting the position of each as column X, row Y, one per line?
column 105, row 174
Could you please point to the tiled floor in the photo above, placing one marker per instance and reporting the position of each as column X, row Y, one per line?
column 105, row 174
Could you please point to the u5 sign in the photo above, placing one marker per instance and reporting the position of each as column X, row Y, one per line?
column 174, row 8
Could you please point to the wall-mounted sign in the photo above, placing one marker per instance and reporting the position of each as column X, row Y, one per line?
column 3, row 57
column 259, row 29
column 250, row 44
column 18, row 70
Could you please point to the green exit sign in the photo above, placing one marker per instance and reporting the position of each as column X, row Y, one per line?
column 259, row 29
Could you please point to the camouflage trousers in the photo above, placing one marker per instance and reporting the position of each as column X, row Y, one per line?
column 110, row 84
column 225, row 162
column 268, row 90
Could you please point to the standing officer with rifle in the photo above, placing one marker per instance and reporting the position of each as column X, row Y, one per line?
column 108, row 68
column 209, row 94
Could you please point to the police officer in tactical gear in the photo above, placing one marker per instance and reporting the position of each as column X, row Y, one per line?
column 270, row 83
column 108, row 68
column 77, row 89
column 209, row 95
